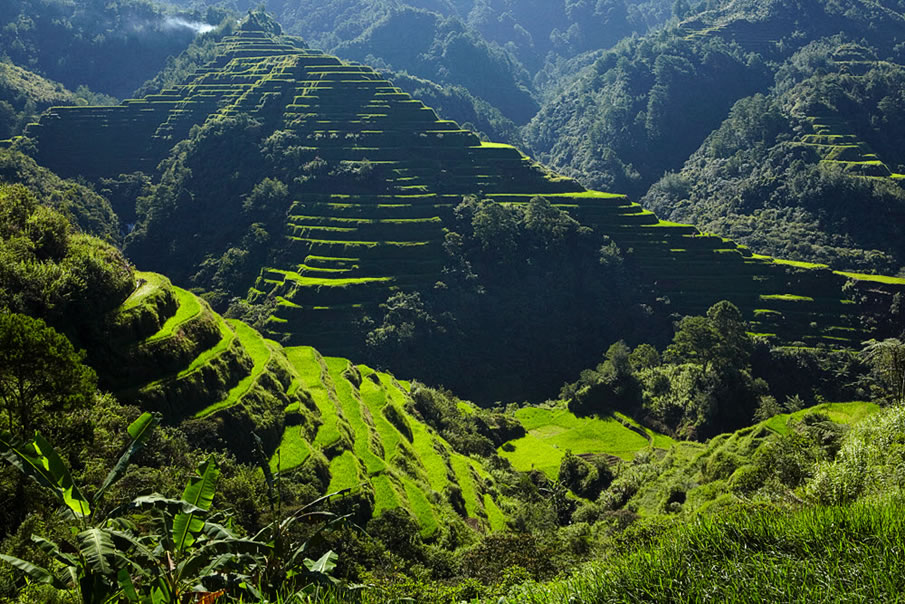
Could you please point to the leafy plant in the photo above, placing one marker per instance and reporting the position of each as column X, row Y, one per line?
column 285, row 565
column 181, row 552
column 93, row 562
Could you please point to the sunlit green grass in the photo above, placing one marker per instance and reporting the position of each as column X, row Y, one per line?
column 259, row 351
column 189, row 308
column 374, row 397
column 153, row 282
column 344, row 472
column 351, row 408
column 494, row 515
column 421, row 508
column 385, row 496
column 551, row 432
column 787, row 297
column 465, row 479
column 227, row 336
column 841, row 413
column 306, row 362
column 875, row 278
column 434, row 464
column 293, row 451
column 816, row 554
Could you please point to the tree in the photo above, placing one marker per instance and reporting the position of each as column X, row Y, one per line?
column 887, row 361
column 40, row 371
column 720, row 338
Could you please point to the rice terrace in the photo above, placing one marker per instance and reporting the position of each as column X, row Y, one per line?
column 472, row 301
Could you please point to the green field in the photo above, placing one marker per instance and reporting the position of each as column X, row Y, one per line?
column 552, row 432
column 152, row 282
column 227, row 336
column 841, row 413
column 361, row 411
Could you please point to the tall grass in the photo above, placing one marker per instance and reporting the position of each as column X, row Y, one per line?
column 850, row 553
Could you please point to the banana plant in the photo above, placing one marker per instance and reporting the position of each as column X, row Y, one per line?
column 95, row 559
column 286, row 565
column 183, row 557
column 186, row 555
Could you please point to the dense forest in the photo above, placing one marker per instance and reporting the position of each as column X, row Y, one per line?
column 384, row 355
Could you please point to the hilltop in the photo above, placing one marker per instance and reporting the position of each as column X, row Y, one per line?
column 316, row 252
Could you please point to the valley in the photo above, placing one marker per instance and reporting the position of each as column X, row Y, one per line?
column 619, row 317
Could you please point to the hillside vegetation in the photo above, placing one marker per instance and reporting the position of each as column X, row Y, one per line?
column 67, row 41
column 408, row 232
column 825, row 152
column 201, row 331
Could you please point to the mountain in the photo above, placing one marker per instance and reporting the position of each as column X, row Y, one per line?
column 68, row 42
column 320, row 248
column 162, row 349
column 805, row 171
column 644, row 106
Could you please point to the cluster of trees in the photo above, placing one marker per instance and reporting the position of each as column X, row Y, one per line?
column 23, row 95
column 713, row 377
column 701, row 385
column 753, row 180
column 528, row 291
column 648, row 103
column 50, row 272
column 642, row 108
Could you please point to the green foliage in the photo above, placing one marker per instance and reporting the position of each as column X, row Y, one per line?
column 832, row 100
column 585, row 478
column 41, row 374
column 66, row 42
column 612, row 385
column 514, row 270
column 868, row 462
column 887, row 361
column 49, row 272
column 85, row 208
column 749, row 555
column 24, row 95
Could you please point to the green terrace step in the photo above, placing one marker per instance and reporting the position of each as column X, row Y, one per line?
column 433, row 221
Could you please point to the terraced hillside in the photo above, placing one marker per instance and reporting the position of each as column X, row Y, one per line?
column 348, row 244
column 165, row 349
column 374, row 443
column 831, row 136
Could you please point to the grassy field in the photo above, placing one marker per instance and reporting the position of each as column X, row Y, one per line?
column 818, row 554
column 344, row 473
column 152, row 282
column 551, row 432
column 351, row 408
column 361, row 411
column 306, row 362
column 841, row 413
column 293, row 451
column 227, row 335
column 375, row 399
column 385, row 496
column 421, row 508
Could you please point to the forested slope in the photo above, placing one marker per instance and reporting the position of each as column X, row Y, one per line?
column 808, row 171
column 325, row 252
